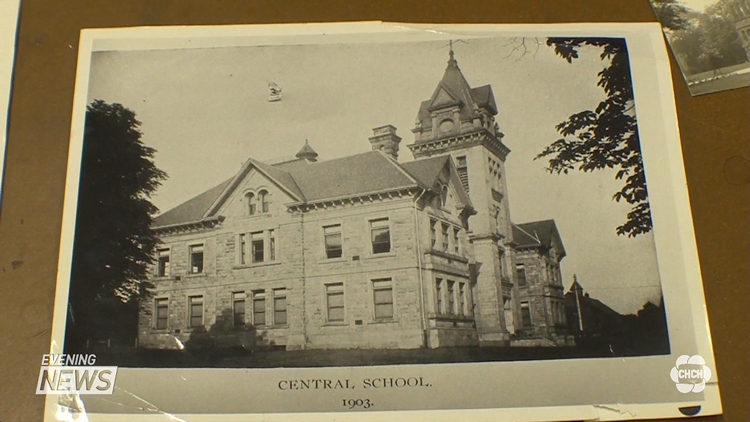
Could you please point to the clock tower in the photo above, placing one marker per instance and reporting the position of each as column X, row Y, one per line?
column 459, row 121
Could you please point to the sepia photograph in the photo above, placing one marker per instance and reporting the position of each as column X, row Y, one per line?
column 710, row 40
column 357, row 201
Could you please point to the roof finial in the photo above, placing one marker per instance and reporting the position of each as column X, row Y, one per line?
column 451, row 60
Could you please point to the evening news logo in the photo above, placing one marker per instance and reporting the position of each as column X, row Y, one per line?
column 690, row 374
column 74, row 374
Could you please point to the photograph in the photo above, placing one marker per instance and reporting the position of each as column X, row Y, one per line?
column 349, row 203
column 710, row 40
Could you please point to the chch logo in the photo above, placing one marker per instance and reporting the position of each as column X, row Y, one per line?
column 690, row 374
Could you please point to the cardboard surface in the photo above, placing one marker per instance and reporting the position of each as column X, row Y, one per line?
column 714, row 129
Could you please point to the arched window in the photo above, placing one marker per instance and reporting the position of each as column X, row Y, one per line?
column 250, row 203
column 444, row 195
column 439, row 191
column 263, row 201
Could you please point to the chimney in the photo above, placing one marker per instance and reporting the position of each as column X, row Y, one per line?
column 384, row 138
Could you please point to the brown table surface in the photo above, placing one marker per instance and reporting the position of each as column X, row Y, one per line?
column 715, row 131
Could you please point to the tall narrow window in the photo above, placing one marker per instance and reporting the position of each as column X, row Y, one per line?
column 263, row 201
column 463, row 174
column 238, row 309
column 444, row 196
column 439, row 295
column 259, row 307
column 161, row 306
column 456, row 241
column 335, row 302
column 242, row 249
column 162, row 264
column 383, row 298
column 461, row 298
column 196, row 259
column 256, row 246
column 381, row 235
column 526, row 314
column 250, row 198
column 272, row 245
column 195, row 309
column 445, row 236
column 332, row 239
column 451, row 297
column 433, row 233
column 279, row 306
column 521, row 274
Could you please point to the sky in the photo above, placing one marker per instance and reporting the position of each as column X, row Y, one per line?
column 205, row 111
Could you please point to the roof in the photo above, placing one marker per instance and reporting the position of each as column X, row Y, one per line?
column 538, row 233
column 307, row 152
column 192, row 209
column 363, row 173
column 369, row 172
column 454, row 89
column 427, row 170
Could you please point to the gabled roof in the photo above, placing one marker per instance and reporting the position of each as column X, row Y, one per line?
column 538, row 233
column 192, row 209
column 427, row 170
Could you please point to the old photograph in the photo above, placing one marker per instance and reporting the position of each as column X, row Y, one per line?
column 710, row 40
column 427, row 203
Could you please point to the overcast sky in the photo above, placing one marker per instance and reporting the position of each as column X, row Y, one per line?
column 206, row 111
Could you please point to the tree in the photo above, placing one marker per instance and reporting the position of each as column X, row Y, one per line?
column 607, row 136
column 671, row 13
column 113, row 244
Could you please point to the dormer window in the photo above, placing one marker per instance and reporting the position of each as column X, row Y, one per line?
column 444, row 195
column 263, row 201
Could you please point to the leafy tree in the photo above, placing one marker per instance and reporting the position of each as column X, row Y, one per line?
column 607, row 136
column 113, row 241
column 671, row 13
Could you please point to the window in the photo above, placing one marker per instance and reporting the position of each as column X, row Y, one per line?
column 256, row 244
column 433, row 233
column 238, row 309
column 196, row 259
column 335, row 302
column 242, row 249
column 263, row 201
column 332, row 239
column 381, row 235
column 462, row 298
column 451, row 297
column 383, row 298
column 259, row 307
column 162, row 263
column 250, row 203
column 521, row 274
column 463, row 174
column 444, row 195
column 161, row 306
column 439, row 295
column 525, row 314
column 456, row 242
column 272, row 245
column 279, row 306
column 445, row 236
column 195, row 309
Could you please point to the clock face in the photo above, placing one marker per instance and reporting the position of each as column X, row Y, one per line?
column 446, row 125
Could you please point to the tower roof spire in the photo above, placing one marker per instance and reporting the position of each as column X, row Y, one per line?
column 451, row 60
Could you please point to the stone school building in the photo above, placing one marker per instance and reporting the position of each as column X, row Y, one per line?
column 364, row 251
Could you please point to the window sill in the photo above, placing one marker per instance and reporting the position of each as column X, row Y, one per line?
column 390, row 254
column 255, row 265
column 194, row 275
column 335, row 324
column 447, row 255
column 332, row 260
column 384, row 321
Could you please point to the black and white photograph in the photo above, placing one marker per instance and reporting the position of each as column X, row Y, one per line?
column 710, row 40
column 376, row 217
